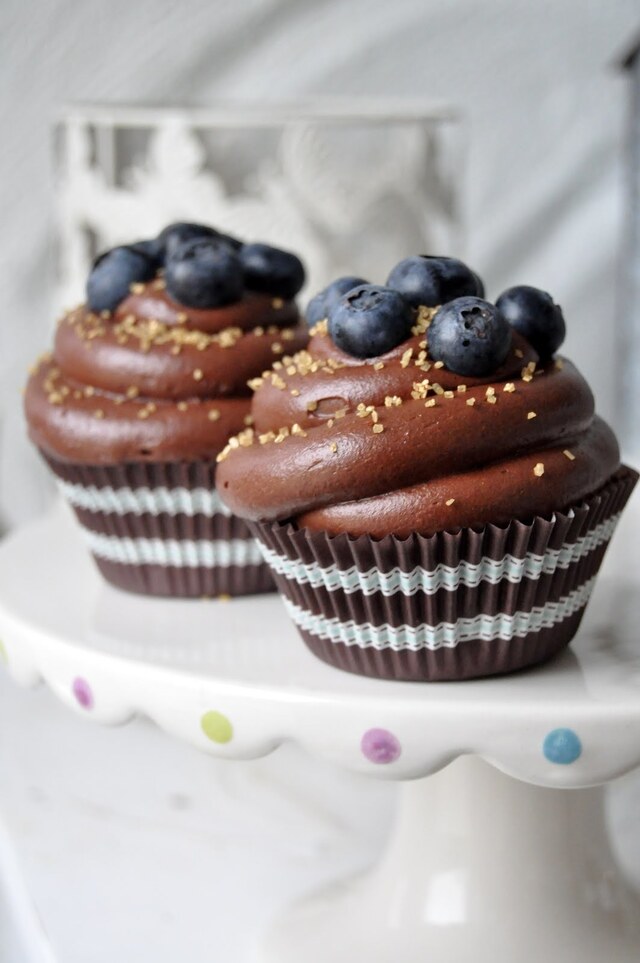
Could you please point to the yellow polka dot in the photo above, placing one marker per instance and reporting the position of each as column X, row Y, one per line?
column 216, row 727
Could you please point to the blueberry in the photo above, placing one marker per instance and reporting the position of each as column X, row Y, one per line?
column 533, row 313
column 113, row 273
column 479, row 285
column 324, row 302
column 175, row 234
column 432, row 280
column 470, row 336
column 204, row 272
column 272, row 271
column 369, row 321
column 151, row 249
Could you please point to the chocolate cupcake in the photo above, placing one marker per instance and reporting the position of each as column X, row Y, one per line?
column 428, row 480
column 145, row 384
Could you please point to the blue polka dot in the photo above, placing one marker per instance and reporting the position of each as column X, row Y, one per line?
column 562, row 746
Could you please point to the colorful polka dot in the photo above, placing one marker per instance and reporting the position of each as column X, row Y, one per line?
column 380, row 746
column 216, row 727
column 562, row 746
column 82, row 691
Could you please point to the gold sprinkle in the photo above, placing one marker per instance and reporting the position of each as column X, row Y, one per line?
column 213, row 414
column 277, row 303
column 297, row 430
column 255, row 383
column 379, row 365
column 334, row 447
column 559, row 364
column 439, row 364
column 248, row 420
column 223, row 597
column 449, row 394
column 450, row 501
column 392, row 401
column 198, row 375
column 539, row 469
column 471, row 401
column 143, row 413
column 98, row 413
column 462, row 389
column 569, row 454
column 132, row 391
column 406, row 358
column 322, row 327
column 377, row 428
column 530, row 415
column 518, row 353
column 89, row 391
column 136, row 288
column 509, row 387
column 159, row 284
column 182, row 406
column 277, row 348
column 490, row 391
column 295, row 392
column 431, row 403
column 312, row 405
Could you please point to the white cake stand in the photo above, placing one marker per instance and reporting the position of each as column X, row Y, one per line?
column 489, row 859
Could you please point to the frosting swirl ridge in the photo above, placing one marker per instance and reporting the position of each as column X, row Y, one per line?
column 399, row 443
column 155, row 380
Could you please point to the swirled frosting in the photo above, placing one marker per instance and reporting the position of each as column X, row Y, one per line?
column 154, row 381
column 400, row 444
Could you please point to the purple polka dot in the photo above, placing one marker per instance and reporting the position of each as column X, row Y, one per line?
column 380, row 746
column 82, row 691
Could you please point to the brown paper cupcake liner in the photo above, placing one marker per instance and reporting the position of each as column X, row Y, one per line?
column 161, row 529
column 454, row 605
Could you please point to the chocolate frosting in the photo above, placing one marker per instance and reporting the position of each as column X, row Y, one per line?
column 398, row 444
column 154, row 381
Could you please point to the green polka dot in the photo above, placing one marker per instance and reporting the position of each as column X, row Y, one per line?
column 3, row 653
column 216, row 727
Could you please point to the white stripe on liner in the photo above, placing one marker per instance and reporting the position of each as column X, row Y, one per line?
column 139, row 501
column 448, row 635
column 181, row 554
column 447, row 577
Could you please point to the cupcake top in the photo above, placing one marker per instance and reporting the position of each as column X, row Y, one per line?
column 419, row 406
column 154, row 367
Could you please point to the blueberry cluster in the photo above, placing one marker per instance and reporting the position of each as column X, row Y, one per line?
column 203, row 268
column 468, row 334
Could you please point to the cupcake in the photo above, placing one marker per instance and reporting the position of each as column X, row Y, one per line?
column 428, row 480
column 145, row 384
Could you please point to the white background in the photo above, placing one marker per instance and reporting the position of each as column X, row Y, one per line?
column 122, row 832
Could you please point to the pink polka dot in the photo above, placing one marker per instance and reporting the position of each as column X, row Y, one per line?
column 82, row 691
column 380, row 746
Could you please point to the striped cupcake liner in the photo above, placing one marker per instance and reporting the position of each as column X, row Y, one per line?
column 454, row 605
column 161, row 529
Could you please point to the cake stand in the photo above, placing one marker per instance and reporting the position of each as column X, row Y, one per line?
column 501, row 855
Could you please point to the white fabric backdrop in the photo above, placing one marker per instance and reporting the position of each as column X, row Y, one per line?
column 542, row 197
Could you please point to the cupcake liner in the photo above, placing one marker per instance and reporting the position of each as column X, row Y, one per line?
column 453, row 605
column 161, row 529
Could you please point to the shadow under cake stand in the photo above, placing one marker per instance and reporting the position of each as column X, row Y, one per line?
column 500, row 855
